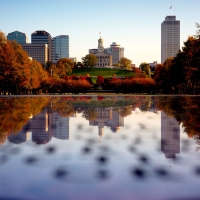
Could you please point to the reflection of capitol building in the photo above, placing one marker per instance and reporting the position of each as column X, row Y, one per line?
column 170, row 136
column 107, row 117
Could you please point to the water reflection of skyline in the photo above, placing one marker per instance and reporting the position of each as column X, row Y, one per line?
column 148, row 137
column 48, row 124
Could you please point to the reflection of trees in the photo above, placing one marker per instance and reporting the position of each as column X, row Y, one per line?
column 186, row 110
column 125, row 111
column 63, row 108
column 15, row 113
column 89, row 113
column 145, row 105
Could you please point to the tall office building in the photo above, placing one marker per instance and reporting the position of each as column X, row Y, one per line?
column 38, row 52
column 116, row 51
column 60, row 47
column 42, row 37
column 20, row 37
column 170, row 136
column 170, row 37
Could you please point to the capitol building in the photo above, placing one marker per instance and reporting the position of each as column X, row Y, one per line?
column 107, row 57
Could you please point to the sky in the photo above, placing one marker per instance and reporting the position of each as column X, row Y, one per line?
column 135, row 25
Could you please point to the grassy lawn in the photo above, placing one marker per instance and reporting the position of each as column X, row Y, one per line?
column 94, row 72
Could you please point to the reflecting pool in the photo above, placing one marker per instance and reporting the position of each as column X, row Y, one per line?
column 100, row 147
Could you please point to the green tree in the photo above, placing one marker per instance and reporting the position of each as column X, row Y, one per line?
column 89, row 114
column 89, row 60
column 145, row 68
column 64, row 66
column 125, row 63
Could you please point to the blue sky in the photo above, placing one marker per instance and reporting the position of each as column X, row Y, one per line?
column 135, row 25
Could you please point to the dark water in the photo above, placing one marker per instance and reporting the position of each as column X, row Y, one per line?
column 100, row 147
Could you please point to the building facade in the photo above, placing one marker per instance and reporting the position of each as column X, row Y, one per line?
column 37, row 52
column 170, row 37
column 43, row 37
column 60, row 47
column 20, row 37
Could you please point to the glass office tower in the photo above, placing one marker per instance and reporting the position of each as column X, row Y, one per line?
column 60, row 47
column 20, row 37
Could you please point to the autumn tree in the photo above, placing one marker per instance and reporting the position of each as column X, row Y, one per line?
column 64, row 66
column 125, row 63
column 2, row 38
column 162, row 75
column 89, row 60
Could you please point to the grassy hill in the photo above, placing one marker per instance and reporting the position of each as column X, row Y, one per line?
column 94, row 72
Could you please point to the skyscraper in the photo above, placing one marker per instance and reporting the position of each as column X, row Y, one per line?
column 170, row 37
column 20, row 37
column 60, row 47
column 42, row 37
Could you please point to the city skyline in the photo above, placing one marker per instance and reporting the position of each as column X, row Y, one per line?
column 136, row 26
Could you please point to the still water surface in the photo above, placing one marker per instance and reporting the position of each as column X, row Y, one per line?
column 100, row 147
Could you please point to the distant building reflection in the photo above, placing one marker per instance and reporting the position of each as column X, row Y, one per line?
column 170, row 136
column 44, row 126
column 21, row 136
column 41, row 127
column 60, row 126
column 107, row 117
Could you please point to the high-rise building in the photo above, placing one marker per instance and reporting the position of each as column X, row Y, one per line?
column 170, row 37
column 116, row 51
column 60, row 47
column 38, row 52
column 42, row 37
column 170, row 136
column 20, row 37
